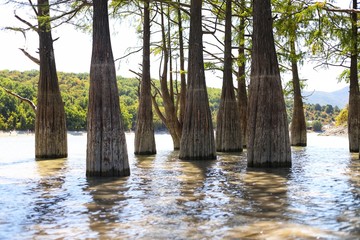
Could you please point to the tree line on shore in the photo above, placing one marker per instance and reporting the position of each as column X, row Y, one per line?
column 252, row 115
column 18, row 115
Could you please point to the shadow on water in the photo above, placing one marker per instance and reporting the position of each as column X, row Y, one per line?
column 48, row 197
column 167, row 198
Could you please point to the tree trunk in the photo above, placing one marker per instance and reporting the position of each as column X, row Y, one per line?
column 242, row 94
column 182, row 70
column 197, row 141
column 268, row 134
column 228, row 130
column 171, row 121
column 298, row 123
column 354, row 99
column 106, row 154
column 50, row 122
column 144, row 132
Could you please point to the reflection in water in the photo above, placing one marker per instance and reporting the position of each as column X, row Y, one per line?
column 318, row 198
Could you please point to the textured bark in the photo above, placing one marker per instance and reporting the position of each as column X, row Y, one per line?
column 354, row 99
column 170, row 117
column 50, row 123
column 182, row 70
column 242, row 94
column 228, row 130
column 106, row 154
column 268, row 142
column 197, row 141
column 298, row 123
column 144, row 132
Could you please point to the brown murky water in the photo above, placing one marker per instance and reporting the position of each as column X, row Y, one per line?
column 165, row 198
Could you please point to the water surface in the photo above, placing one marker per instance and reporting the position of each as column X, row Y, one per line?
column 166, row 198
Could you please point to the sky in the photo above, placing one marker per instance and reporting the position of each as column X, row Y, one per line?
column 73, row 53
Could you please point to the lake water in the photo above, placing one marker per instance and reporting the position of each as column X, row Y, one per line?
column 166, row 198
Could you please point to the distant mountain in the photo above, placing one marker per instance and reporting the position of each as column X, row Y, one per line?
column 337, row 98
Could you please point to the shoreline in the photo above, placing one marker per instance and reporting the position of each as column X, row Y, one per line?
column 331, row 131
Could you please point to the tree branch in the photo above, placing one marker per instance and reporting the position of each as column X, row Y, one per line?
column 28, row 101
column 34, row 59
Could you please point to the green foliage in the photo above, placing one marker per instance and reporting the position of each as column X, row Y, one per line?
column 74, row 90
column 329, row 109
column 317, row 126
column 15, row 114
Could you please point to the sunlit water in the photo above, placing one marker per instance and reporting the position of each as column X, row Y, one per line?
column 166, row 198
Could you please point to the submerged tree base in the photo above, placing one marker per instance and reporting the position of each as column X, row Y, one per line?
column 234, row 150
column 110, row 173
column 269, row 165
column 44, row 157
column 212, row 157
column 145, row 153
column 299, row 145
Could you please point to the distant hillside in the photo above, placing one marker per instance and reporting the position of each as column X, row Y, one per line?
column 337, row 98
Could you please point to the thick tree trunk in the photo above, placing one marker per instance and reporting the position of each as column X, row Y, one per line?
column 228, row 130
column 268, row 134
column 197, row 141
column 354, row 98
column 106, row 154
column 50, row 122
column 242, row 94
column 144, row 132
column 298, row 123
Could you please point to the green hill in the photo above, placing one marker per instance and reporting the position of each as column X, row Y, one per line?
column 74, row 90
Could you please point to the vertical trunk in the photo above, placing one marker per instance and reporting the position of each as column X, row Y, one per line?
column 228, row 130
column 197, row 141
column 171, row 79
column 353, row 117
column 298, row 123
column 106, row 144
column 242, row 94
column 171, row 121
column 182, row 70
column 50, row 126
column 268, row 135
column 144, row 132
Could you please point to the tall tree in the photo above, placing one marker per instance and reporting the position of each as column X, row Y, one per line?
column 336, row 41
column 354, row 98
column 50, row 126
column 197, row 141
column 106, row 144
column 289, row 28
column 228, row 130
column 298, row 123
column 182, row 66
column 268, row 134
column 241, row 75
column 169, row 117
column 144, row 132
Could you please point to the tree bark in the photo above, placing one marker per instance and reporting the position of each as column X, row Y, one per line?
column 106, row 154
column 50, row 121
column 268, row 142
column 242, row 94
column 144, row 132
column 354, row 99
column 182, row 70
column 170, row 118
column 298, row 123
column 228, row 130
column 197, row 141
